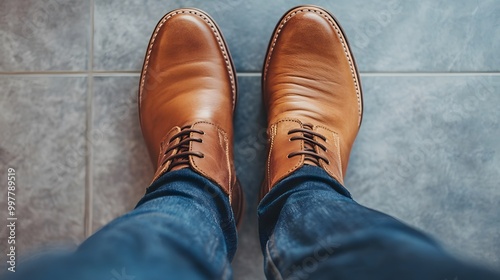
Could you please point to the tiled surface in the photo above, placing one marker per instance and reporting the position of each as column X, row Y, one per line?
column 43, row 138
column 428, row 157
column 121, row 166
column 250, row 146
column 432, row 158
column 387, row 36
column 427, row 153
column 44, row 35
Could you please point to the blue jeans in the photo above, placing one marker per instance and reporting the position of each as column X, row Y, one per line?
column 310, row 228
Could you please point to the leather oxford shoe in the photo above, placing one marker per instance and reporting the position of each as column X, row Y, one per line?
column 312, row 94
column 187, row 97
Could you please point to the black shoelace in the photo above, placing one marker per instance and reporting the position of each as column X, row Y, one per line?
column 182, row 155
column 307, row 134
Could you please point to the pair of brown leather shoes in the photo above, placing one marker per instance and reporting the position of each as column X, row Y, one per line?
column 311, row 90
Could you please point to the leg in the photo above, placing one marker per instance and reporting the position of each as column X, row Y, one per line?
column 310, row 228
column 183, row 228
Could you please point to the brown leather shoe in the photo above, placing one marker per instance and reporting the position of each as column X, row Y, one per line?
column 187, row 96
column 312, row 94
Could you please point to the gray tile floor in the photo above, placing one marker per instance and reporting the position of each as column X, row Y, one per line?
column 428, row 151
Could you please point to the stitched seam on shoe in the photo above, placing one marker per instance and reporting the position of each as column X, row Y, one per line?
column 337, row 146
column 227, row 155
column 164, row 168
column 229, row 185
column 342, row 40
column 268, row 185
column 217, row 36
column 301, row 147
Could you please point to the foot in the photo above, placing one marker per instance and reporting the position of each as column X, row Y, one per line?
column 187, row 96
column 312, row 93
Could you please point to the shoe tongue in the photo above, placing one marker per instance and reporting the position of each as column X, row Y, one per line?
column 309, row 160
column 183, row 162
column 180, row 166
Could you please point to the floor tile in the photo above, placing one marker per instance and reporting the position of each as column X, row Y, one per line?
column 121, row 166
column 43, row 123
column 44, row 35
column 250, row 155
column 429, row 153
column 386, row 36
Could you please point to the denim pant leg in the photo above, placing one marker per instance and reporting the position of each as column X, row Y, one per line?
column 310, row 228
column 183, row 228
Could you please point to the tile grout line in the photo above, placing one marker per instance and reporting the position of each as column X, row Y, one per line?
column 88, row 207
column 241, row 74
column 428, row 74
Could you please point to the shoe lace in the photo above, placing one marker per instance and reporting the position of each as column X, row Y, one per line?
column 307, row 135
column 181, row 156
